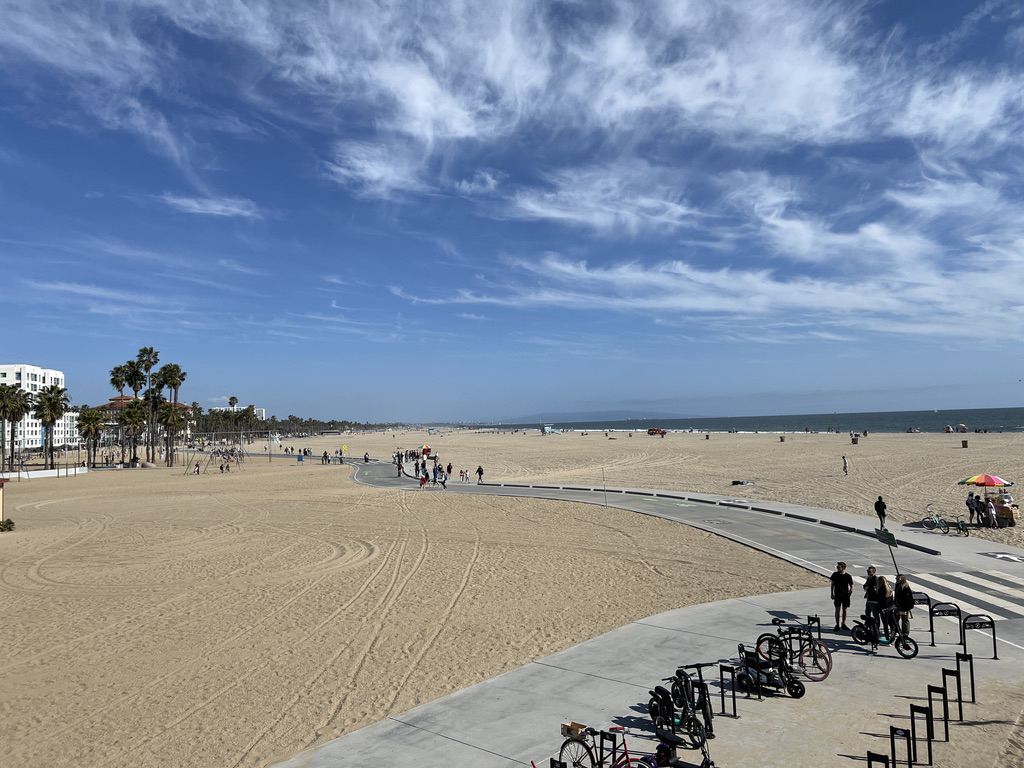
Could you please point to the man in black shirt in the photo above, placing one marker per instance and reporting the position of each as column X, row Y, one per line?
column 880, row 511
column 871, row 596
column 842, row 588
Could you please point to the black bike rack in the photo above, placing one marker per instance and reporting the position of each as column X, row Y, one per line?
column 944, row 609
column 904, row 735
column 955, row 674
column 929, row 731
column 940, row 690
column 605, row 738
column 979, row 621
column 723, row 670
column 966, row 658
column 815, row 620
column 874, row 758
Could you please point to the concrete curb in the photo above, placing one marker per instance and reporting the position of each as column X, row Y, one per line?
column 724, row 503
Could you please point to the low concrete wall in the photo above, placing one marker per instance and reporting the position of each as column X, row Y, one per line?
column 58, row 472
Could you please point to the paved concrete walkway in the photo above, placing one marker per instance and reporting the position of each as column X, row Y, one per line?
column 514, row 719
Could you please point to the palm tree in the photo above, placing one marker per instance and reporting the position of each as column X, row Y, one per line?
column 119, row 378
column 133, row 423
column 172, row 420
column 51, row 404
column 172, row 377
column 134, row 377
column 6, row 403
column 90, row 426
column 148, row 358
column 19, row 405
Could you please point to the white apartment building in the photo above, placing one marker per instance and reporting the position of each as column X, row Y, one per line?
column 261, row 413
column 33, row 379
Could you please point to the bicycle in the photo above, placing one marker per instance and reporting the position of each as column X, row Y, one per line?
column 577, row 751
column 961, row 526
column 868, row 632
column 797, row 645
column 933, row 521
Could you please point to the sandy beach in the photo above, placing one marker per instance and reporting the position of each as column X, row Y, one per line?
column 157, row 618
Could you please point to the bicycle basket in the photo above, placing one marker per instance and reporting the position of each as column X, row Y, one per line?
column 574, row 730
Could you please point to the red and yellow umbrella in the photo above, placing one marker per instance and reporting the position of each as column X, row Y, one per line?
column 988, row 481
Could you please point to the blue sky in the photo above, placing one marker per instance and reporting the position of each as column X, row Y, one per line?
column 456, row 211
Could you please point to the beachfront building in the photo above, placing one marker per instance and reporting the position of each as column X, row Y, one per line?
column 260, row 413
column 33, row 379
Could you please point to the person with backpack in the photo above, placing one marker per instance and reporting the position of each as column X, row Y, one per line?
column 904, row 597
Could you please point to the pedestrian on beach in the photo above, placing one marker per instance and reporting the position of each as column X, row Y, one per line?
column 448, row 469
column 871, row 599
column 880, row 511
column 846, row 467
column 196, row 470
column 479, row 474
column 971, row 508
column 423, row 481
column 842, row 589
column 990, row 513
column 904, row 598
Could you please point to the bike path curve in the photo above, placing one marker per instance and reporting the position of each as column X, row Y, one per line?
column 514, row 718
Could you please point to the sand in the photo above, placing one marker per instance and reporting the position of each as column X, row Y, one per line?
column 156, row 618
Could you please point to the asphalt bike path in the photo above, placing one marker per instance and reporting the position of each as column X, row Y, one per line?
column 514, row 719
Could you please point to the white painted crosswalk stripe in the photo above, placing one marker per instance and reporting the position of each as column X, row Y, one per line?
column 974, row 591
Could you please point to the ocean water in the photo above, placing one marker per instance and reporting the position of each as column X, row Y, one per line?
column 990, row 419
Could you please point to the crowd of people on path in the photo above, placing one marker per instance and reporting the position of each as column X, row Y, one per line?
column 879, row 597
column 981, row 511
column 428, row 468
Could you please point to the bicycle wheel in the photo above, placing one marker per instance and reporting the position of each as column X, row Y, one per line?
column 929, row 523
column 965, row 530
column 682, row 692
column 695, row 731
column 577, row 754
column 943, row 526
column 813, row 664
column 770, row 647
column 859, row 634
column 795, row 689
column 906, row 647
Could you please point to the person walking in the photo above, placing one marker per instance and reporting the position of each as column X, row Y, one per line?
column 479, row 475
column 842, row 589
column 846, row 466
column 904, row 598
column 880, row 511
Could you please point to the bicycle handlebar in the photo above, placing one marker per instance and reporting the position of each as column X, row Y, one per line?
column 699, row 665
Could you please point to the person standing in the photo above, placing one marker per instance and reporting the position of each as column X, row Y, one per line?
column 479, row 474
column 880, row 511
column 971, row 509
column 904, row 597
column 846, row 467
column 842, row 589
column 990, row 513
column 886, row 599
column 871, row 607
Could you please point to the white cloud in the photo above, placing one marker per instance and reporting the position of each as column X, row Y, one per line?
column 375, row 170
column 234, row 266
column 207, row 206
column 625, row 198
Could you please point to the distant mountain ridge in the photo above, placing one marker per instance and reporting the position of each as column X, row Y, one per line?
column 584, row 416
